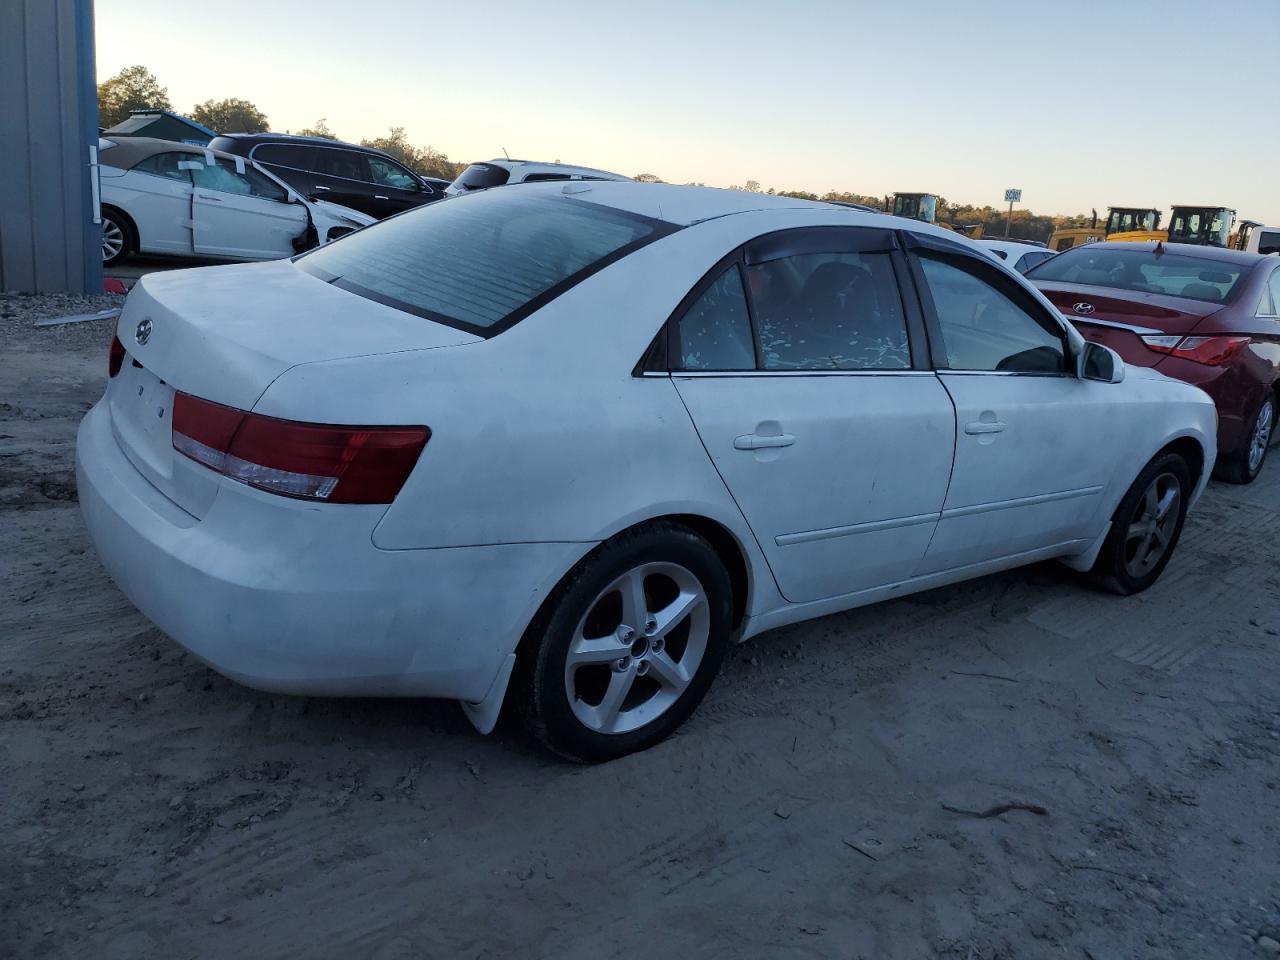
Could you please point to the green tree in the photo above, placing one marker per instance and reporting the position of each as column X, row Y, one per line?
column 424, row 161
column 133, row 88
column 321, row 129
column 648, row 178
column 232, row 115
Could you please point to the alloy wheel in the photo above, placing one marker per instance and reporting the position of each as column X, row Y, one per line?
column 637, row 648
column 1151, row 529
column 1261, row 438
column 112, row 239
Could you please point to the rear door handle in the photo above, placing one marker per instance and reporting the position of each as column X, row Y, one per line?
column 984, row 426
column 325, row 189
column 205, row 196
column 753, row 441
column 378, row 196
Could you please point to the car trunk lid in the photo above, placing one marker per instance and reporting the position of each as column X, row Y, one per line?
column 1120, row 322
column 224, row 334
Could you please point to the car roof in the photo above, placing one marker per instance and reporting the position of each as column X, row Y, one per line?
column 1185, row 249
column 686, row 205
column 128, row 152
column 535, row 166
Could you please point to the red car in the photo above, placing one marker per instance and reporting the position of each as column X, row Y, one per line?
column 1201, row 314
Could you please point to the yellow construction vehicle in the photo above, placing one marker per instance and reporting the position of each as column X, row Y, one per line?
column 1119, row 220
column 924, row 207
column 1199, row 225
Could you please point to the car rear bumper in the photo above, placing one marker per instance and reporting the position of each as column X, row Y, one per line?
column 293, row 597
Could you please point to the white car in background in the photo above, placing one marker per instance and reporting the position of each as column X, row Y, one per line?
column 570, row 441
column 158, row 196
column 1021, row 255
column 501, row 173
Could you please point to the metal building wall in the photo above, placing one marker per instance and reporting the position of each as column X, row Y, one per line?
column 49, row 240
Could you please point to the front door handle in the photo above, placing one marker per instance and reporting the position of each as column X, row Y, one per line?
column 321, row 189
column 753, row 441
column 378, row 196
column 984, row 426
column 205, row 196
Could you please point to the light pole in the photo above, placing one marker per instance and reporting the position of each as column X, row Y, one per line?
column 1011, row 197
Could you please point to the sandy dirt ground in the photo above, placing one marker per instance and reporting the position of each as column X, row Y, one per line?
column 151, row 808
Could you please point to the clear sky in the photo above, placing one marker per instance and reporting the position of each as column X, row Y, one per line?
column 1081, row 103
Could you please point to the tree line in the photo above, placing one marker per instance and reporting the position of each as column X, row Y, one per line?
column 135, row 88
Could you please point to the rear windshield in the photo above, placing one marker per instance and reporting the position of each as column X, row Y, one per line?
column 478, row 176
column 482, row 262
column 1172, row 274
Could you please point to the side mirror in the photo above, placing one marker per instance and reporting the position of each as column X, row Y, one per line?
column 1100, row 363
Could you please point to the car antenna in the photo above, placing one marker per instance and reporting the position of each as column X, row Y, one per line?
column 505, row 154
column 1159, row 248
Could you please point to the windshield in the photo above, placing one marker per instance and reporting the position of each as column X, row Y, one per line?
column 1174, row 275
column 916, row 207
column 482, row 262
column 1201, row 225
column 479, row 176
column 1121, row 220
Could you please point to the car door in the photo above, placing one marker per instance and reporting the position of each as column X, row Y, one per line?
column 342, row 176
column 239, row 212
column 795, row 362
column 396, row 188
column 159, row 201
column 1033, row 441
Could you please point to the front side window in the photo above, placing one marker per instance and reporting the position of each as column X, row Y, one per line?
column 388, row 174
column 984, row 327
column 1269, row 242
column 1274, row 285
column 284, row 155
column 482, row 262
column 829, row 311
column 166, row 165
column 715, row 332
column 541, row 177
column 221, row 176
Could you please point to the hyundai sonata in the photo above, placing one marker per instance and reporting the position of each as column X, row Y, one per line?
column 564, row 442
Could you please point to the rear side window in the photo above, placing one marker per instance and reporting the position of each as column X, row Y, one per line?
column 166, row 165
column 715, row 332
column 479, row 176
column 221, row 176
column 284, row 155
column 988, row 328
column 483, row 262
column 347, row 164
column 1269, row 242
column 829, row 311
column 1144, row 271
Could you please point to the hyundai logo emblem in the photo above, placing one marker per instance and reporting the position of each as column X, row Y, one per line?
column 143, row 333
column 1082, row 307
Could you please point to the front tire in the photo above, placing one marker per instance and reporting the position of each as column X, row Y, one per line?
column 1244, row 465
column 1145, row 527
column 627, row 645
column 117, row 238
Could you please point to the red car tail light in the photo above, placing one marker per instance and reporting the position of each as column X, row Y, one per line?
column 115, row 358
column 309, row 461
column 1211, row 351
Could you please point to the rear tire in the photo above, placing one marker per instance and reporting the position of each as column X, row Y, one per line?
column 1244, row 465
column 590, row 684
column 1145, row 527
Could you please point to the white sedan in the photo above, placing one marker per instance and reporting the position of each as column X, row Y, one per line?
column 1018, row 254
column 565, row 442
column 170, row 198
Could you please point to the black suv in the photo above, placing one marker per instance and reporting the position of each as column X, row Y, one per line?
column 361, row 178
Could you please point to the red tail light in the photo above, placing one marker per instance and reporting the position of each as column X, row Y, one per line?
column 1212, row 351
column 115, row 359
column 309, row 461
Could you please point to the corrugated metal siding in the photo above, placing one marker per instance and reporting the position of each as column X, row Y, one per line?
column 48, row 120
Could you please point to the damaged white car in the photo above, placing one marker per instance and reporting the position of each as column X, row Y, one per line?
column 158, row 196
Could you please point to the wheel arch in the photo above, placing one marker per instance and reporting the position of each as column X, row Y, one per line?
column 1191, row 450
column 130, row 224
